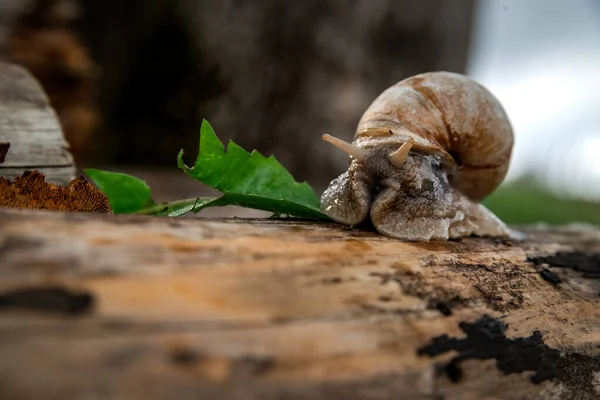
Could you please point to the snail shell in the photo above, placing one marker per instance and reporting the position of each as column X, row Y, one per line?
column 459, row 145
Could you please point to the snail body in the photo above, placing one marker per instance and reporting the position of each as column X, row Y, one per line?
column 425, row 153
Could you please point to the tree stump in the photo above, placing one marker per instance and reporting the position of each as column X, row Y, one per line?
column 132, row 307
column 29, row 124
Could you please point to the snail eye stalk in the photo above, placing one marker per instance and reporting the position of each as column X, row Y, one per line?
column 397, row 157
column 355, row 151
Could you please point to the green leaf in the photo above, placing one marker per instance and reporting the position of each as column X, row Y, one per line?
column 249, row 179
column 177, row 208
column 277, row 207
column 126, row 194
column 245, row 179
column 130, row 195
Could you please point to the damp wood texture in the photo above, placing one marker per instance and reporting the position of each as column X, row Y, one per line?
column 132, row 307
column 30, row 125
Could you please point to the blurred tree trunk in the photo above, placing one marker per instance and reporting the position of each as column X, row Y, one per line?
column 271, row 75
column 295, row 71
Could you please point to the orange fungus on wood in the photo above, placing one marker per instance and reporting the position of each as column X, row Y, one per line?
column 33, row 192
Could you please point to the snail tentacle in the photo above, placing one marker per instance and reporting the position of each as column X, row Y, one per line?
column 397, row 157
column 354, row 151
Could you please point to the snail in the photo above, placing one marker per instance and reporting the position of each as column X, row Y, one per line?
column 425, row 154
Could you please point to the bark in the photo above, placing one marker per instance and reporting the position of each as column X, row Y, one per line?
column 30, row 126
column 146, row 307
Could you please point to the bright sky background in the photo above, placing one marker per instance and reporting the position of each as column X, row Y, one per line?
column 541, row 58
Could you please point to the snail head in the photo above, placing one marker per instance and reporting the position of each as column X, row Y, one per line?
column 399, row 190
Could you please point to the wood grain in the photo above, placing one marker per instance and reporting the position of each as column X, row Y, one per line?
column 147, row 307
column 30, row 125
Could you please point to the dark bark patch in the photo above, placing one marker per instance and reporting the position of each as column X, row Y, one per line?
column 48, row 299
column 444, row 308
column 454, row 372
column 486, row 340
column 586, row 263
column 185, row 357
column 550, row 276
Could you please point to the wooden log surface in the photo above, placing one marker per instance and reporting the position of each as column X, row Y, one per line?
column 30, row 125
column 132, row 307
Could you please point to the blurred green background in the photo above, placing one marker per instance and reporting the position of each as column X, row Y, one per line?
column 526, row 201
